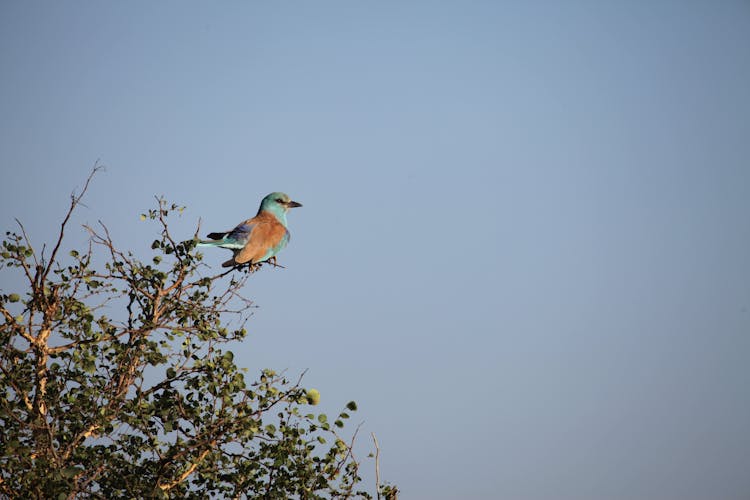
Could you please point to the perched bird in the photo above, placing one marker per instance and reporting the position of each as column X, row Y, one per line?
column 258, row 239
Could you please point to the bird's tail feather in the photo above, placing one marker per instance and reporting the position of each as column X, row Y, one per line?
column 208, row 243
column 218, row 240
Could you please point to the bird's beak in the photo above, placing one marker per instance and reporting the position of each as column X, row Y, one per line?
column 293, row 204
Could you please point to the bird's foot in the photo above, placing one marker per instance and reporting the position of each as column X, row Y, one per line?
column 248, row 267
column 272, row 261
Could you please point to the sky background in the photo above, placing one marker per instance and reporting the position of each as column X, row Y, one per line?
column 526, row 226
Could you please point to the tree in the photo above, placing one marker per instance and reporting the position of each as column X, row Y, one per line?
column 149, row 403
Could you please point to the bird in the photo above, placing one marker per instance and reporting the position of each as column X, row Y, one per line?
column 258, row 239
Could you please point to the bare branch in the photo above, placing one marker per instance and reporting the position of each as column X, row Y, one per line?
column 22, row 260
column 28, row 241
column 377, row 464
column 74, row 201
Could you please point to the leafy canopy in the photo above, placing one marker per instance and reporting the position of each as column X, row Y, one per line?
column 148, row 402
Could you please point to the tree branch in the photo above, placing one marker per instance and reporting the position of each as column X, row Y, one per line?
column 74, row 201
column 377, row 464
column 189, row 470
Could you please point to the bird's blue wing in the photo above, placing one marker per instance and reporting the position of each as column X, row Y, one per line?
column 241, row 232
column 237, row 237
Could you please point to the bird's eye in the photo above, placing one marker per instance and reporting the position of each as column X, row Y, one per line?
column 279, row 200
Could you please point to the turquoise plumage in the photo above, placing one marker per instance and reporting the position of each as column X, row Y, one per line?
column 258, row 239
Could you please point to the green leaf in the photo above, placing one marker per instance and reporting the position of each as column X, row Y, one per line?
column 70, row 472
column 351, row 405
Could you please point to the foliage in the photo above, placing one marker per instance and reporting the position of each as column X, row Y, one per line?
column 149, row 403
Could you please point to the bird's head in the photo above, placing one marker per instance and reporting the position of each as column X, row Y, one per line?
column 278, row 204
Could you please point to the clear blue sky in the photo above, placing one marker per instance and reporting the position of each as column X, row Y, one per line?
column 526, row 226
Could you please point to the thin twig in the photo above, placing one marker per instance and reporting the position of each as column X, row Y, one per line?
column 377, row 464
column 22, row 259
column 74, row 201
column 28, row 242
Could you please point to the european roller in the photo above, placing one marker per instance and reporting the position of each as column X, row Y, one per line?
column 258, row 239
